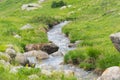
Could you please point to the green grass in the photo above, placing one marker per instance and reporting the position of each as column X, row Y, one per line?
column 24, row 73
column 96, row 21
column 92, row 23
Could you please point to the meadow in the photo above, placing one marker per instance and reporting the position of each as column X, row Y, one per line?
column 92, row 22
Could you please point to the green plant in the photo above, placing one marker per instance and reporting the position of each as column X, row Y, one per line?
column 58, row 4
column 86, row 66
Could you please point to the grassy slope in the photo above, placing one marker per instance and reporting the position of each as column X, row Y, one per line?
column 12, row 18
column 96, row 21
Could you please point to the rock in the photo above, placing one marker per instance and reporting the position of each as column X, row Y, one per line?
column 69, row 6
column 21, row 59
column 71, row 45
column 33, row 77
column 68, row 73
column 46, row 72
column 112, row 73
column 58, row 53
column 17, row 36
column 11, row 52
column 15, row 69
column 115, row 38
column 6, row 64
column 38, row 54
column 5, row 57
column 77, row 42
column 30, row 6
column 47, row 47
column 25, row 27
column 63, row 7
column 40, row 1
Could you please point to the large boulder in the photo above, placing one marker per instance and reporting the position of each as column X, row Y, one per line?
column 112, row 73
column 21, row 59
column 115, row 38
column 38, row 54
column 47, row 47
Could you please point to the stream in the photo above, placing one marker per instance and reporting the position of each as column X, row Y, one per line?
column 54, row 62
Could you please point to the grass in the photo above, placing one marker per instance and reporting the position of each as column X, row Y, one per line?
column 92, row 23
column 96, row 21
column 24, row 73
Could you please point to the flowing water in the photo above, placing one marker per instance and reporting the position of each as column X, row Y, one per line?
column 54, row 63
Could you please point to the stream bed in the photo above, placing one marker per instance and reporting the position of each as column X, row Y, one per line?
column 54, row 62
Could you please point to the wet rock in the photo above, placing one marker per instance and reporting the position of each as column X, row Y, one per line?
column 112, row 73
column 58, row 53
column 11, row 52
column 33, row 77
column 30, row 6
column 38, row 54
column 115, row 38
column 47, row 47
column 21, row 59
column 25, row 27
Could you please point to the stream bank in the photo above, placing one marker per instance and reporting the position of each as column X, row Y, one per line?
column 54, row 63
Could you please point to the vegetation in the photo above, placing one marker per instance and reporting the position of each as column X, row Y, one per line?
column 93, row 26
column 24, row 73
column 58, row 4
column 92, row 23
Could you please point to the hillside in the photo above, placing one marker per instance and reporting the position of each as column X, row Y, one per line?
column 92, row 22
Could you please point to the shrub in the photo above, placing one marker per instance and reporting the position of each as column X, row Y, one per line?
column 93, row 52
column 75, row 56
column 58, row 4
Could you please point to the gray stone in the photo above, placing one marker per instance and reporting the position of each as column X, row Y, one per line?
column 115, row 38
column 14, row 69
column 46, row 72
column 63, row 7
column 33, row 77
column 38, row 54
column 30, row 6
column 25, row 27
column 58, row 53
column 11, row 52
column 40, row 1
column 112, row 73
column 21, row 59
column 17, row 36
